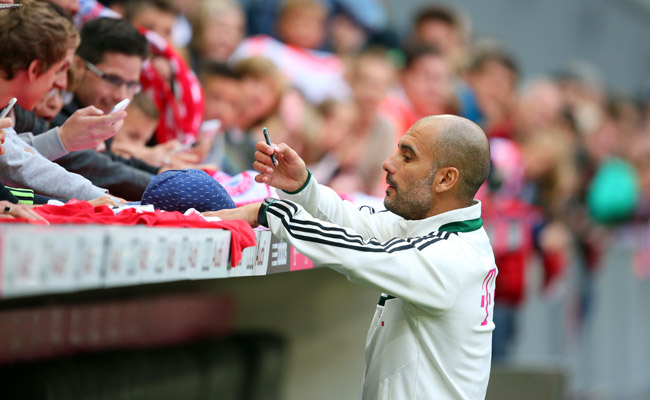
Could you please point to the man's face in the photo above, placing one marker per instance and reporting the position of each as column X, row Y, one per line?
column 427, row 84
column 409, row 174
column 95, row 91
column 54, row 78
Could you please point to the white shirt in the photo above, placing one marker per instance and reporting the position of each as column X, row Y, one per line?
column 431, row 336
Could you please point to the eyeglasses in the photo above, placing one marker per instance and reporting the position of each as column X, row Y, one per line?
column 132, row 86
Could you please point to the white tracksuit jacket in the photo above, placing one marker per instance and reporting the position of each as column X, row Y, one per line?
column 431, row 336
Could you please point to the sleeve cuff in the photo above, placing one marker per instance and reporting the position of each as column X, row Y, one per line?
column 261, row 214
column 300, row 189
column 49, row 144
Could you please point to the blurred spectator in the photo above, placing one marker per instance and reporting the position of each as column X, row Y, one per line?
column 174, row 88
column 153, row 15
column 318, row 75
column 222, row 100
column 540, row 106
column 49, row 105
column 445, row 28
column 492, row 77
column 301, row 23
column 426, row 89
column 219, row 28
column 372, row 136
column 517, row 231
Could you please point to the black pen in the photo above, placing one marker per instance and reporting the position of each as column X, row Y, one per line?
column 268, row 141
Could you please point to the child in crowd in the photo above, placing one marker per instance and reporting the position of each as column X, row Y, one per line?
column 139, row 126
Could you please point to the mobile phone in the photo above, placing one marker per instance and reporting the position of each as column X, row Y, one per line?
column 6, row 110
column 268, row 141
column 121, row 106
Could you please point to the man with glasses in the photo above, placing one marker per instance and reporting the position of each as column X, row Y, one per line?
column 108, row 64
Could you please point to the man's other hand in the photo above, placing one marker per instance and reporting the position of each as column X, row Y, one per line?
column 10, row 210
column 247, row 213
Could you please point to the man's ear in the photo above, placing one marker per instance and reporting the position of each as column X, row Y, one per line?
column 33, row 70
column 445, row 179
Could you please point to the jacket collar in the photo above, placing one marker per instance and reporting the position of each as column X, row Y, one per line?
column 465, row 219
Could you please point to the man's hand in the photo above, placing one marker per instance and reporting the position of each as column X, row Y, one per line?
column 247, row 213
column 10, row 210
column 88, row 127
column 290, row 173
column 4, row 123
column 106, row 200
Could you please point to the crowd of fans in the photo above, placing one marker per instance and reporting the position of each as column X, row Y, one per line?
column 569, row 158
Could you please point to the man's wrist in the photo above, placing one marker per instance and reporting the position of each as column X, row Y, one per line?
column 303, row 186
column 62, row 138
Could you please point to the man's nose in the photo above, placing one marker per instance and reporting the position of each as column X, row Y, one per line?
column 388, row 165
column 60, row 81
column 121, row 93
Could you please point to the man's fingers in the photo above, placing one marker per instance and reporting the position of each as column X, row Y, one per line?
column 90, row 110
column 20, row 211
column 110, row 119
column 262, row 168
column 5, row 123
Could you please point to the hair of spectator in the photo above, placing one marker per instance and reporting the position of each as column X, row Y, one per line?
column 447, row 15
column 492, row 52
column 214, row 69
column 110, row 35
column 372, row 53
column 35, row 31
column 143, row 102
column 290, row 6
column 415, row 52
column 134, row 7
column 259, row 67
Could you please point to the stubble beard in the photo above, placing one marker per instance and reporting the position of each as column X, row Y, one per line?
column 411, row 203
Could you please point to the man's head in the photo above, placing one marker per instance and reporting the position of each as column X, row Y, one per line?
column 445, row 28
column 439, row 165
column 426, row 79
column 110, row 58
column 37, row 44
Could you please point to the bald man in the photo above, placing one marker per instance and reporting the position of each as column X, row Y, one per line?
column 431, row 334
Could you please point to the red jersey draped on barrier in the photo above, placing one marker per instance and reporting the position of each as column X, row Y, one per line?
column 82, row 212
